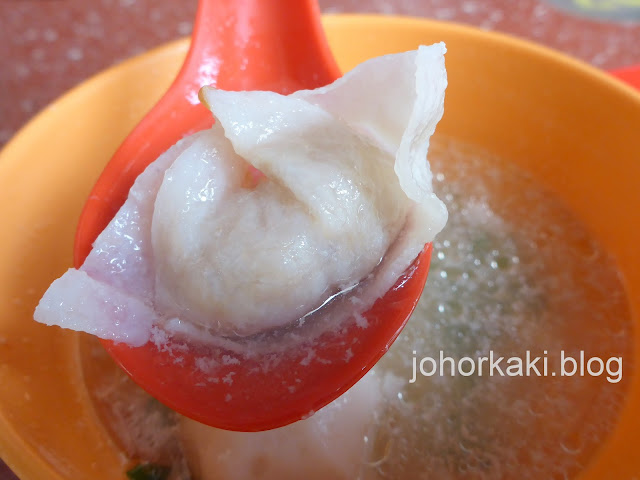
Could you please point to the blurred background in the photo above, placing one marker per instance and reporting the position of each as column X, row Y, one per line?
column 49, row 46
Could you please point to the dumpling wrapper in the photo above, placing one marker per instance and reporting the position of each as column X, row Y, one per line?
column 346, row 184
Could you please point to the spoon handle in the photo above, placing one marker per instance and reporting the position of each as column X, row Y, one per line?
column 274, row 45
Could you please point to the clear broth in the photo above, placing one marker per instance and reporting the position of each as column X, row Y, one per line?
column 513, row 270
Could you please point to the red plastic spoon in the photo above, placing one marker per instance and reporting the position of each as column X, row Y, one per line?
column 277, row 45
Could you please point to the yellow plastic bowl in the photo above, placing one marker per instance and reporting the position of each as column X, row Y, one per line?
column 573, row 127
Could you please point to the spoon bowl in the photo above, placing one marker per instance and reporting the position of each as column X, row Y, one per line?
column 244, row 45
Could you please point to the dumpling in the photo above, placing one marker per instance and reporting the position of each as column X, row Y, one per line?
column 283, row 203
column 335, row 443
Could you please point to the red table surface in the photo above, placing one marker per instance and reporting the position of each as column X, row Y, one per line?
column 48, row 46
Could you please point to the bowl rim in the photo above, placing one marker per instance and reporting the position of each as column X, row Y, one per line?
column 341, row 19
